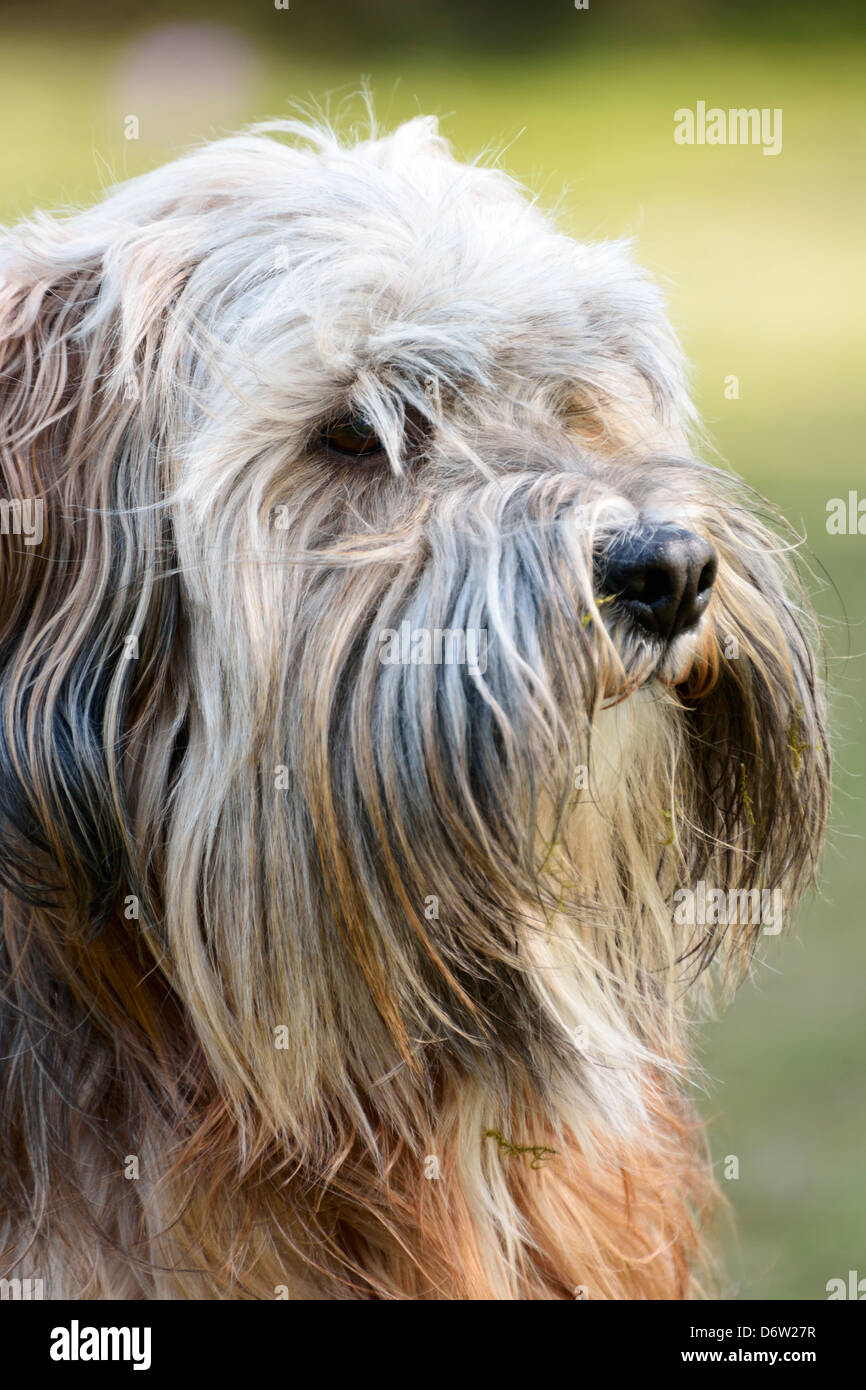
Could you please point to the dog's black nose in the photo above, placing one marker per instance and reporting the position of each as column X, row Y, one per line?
column 662, row 576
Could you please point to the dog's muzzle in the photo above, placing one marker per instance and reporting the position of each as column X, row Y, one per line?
column 661, row 577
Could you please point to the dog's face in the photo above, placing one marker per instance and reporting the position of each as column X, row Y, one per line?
column 389, row 660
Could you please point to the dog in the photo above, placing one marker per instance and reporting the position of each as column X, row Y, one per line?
column 388, row 665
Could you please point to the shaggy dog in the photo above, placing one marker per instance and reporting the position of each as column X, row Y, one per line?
column 384, row 673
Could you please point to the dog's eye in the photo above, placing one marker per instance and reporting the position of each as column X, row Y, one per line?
column 351, row 436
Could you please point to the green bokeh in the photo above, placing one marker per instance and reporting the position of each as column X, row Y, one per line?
column 762, row 258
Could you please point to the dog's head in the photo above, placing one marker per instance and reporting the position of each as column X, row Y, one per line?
column 388, row 661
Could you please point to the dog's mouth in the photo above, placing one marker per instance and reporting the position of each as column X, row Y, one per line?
column 688, row 666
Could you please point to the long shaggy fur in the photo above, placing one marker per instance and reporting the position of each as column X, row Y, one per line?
column 223, row 816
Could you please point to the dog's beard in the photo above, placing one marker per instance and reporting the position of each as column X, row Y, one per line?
column 415, row 838
column 403, row 865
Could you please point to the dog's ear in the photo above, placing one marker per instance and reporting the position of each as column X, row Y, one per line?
column 88, row 610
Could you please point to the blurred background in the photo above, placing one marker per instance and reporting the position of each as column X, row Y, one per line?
column 763, row 261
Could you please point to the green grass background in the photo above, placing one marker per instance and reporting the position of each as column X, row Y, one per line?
column 763, row 263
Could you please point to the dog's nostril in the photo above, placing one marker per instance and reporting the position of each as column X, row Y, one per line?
column 649, row 584
column 661, row 576
column 708, row 575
